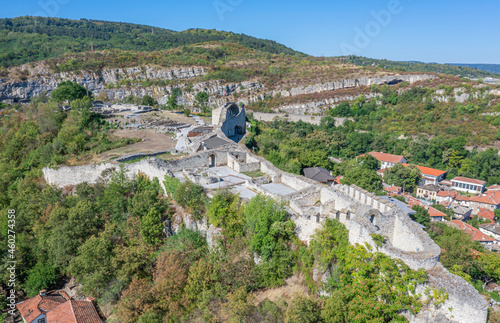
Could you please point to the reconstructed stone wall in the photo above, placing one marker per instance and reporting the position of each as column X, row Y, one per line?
column 361, row 212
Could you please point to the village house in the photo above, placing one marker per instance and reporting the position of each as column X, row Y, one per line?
column 430, row 175
column 489, row 201
column 492, row 188
column 319, row 174
column 468, row 185
column 487, row 214
column 476, row 235
column 387, row 160
column 435, row 214
column 461, row 212
column 57, row 306
column 427, row 192
column 393, row 189
column 446, row 196
column 491, row 229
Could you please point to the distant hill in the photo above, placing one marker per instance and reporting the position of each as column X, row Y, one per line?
column 492, row 68
column 453, row 69
column 27, row 39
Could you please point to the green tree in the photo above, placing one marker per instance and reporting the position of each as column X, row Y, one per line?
column 224, row 211
column 148, row 100
column 364, row 178
column 422, row 216
column 408, row 177
column 42, row 276
column 302, row 309
column 191, row 196
column 69, row 91
column 152, row 227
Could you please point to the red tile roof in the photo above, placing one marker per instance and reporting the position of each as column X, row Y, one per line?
column 495, row 187
column 392, row 189
column 390, row 158
column 475, row 233
column 74, row 311
column 451, row 194
column 486, row 214
column 435, row 212
column 491, row 198
column 461, row 197
column 428, row 170
column 468, row 180
column 58, row 309
column 31, row 308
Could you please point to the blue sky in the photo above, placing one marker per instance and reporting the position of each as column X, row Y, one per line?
column 445, row 31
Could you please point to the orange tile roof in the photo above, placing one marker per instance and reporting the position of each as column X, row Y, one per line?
column 392, row 189
column 428, row 170
column 390, row 158
column 452, row 194
column 495, row 187
column 487, row 214
column 475, row 233
column 58, row 309
column 74, row 311
column 435, row 212
column 468, row 180
column 461, row 197
column 492, row 198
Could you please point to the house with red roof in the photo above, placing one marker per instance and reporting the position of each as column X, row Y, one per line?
column 469, row 185
column 430, row 175
column 487, row 214
column 57, row 307
column 446, row 196
column 435, row 214
column 387, row 160
column 393, row 189
column 494, row 187
column 476, row 234
column 488, row 201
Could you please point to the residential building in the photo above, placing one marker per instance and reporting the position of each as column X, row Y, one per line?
column 430, row 175
column 427, row 192
column 55, row 307
column 487, row 214
column 435, row 214
column 393, row 189
column 489, row 201
column 461, row 212
column 469, row 185
column 476, row 235
column 446, row 196
column 319, row 174
column 491, row 229
column 492, row 188
column 387, row 160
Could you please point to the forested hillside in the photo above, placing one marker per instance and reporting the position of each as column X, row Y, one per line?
column 462, row 70
column 492, row 68
column 28, row 39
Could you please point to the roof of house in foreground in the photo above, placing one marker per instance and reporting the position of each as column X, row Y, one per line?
column 59, row 308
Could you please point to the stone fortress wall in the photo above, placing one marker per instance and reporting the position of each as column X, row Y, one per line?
column 310, row 205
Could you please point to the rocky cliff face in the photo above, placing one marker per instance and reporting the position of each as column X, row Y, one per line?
column 41, row 80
